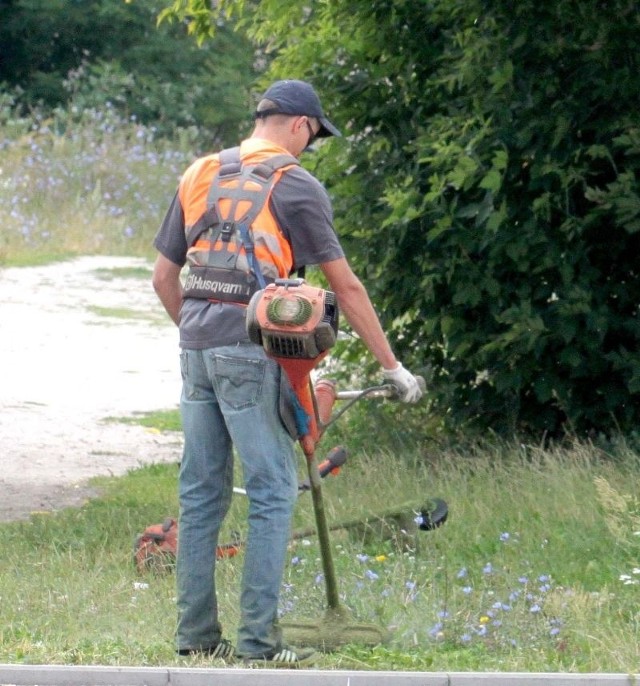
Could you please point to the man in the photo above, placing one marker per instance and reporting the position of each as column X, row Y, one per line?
column 230, row 388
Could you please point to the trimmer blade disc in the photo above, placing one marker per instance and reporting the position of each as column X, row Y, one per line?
column 332, row 631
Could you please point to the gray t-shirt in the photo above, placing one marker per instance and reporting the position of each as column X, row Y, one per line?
column 301, row 206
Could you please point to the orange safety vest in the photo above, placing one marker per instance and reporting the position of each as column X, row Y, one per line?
column 234, row 244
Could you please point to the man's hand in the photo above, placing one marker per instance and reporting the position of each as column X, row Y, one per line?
column 407, row 384
column 166, row 283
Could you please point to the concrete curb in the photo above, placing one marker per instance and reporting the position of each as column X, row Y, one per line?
column 63, row 675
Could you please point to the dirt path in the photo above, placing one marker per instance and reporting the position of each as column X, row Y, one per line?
column 68, row 360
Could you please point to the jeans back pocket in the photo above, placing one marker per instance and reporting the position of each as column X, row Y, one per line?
column 238, row 382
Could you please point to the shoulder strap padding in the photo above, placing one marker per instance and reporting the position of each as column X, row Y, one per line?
column 230, row 163
column 261, row 173
column 207, row 218
column 230, row 166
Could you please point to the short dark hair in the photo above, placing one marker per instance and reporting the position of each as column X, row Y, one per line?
column 266, row 108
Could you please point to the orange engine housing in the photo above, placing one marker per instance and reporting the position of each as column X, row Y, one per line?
column 291, row 319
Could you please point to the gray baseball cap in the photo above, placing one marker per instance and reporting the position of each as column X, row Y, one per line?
column 297, row 98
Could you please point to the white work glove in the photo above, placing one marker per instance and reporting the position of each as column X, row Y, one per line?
column 409, row 390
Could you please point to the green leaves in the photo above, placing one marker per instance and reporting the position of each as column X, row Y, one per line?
column 619, row 199
column 113, row 55
column 199, row 22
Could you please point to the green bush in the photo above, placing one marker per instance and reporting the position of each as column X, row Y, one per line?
column 488, row 192
column 112, row 52
column 529, row 220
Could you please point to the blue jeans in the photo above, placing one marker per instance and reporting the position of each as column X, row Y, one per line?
column 230, row 398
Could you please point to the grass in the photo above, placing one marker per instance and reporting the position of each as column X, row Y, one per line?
column 161, row 420
column 127, row 313
column 536, row 569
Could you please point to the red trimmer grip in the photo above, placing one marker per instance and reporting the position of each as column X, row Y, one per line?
column 325, row 392
column 334, row 460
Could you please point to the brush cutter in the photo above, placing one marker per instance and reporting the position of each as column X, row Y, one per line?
column 297, row 324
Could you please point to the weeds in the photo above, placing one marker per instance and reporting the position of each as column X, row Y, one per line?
column 525, row 575
column 82, row 182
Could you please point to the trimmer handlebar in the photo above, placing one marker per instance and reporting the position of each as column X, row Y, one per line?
column 383, row 391
column 387, row 390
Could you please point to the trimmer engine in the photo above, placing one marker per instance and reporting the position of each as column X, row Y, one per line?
column 293, row 320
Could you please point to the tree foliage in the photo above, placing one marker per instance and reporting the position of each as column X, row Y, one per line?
column 100, row 51
column 487, row 190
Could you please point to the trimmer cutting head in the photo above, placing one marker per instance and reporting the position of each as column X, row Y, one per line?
column 333, row 631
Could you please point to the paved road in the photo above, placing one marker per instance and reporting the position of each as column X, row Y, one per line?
column 25, row 675
column 66, row 363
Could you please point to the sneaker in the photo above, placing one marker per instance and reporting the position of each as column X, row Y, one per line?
column 287, row 658
column 223, row 650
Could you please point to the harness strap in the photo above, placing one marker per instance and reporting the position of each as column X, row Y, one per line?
column 230, row 164
column 248, row 176
column 249, row 250
column 207, row 218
